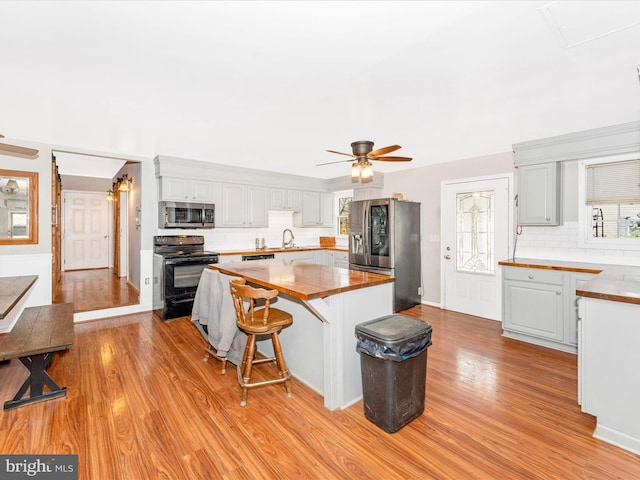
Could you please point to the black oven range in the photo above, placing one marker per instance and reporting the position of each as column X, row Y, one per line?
column 178, row 262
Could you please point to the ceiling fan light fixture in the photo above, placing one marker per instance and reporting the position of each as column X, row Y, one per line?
column 355, row 170
column 367, row 170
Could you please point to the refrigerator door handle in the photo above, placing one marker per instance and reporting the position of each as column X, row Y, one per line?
column 366, row 248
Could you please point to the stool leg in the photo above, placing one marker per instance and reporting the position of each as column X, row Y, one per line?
column 282, row 366
column 247, row 366
column 224, row 366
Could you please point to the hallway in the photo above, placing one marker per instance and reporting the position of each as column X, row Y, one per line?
column 96, row 289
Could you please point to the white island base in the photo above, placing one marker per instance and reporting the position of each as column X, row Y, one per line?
column 609, row 369
column 320, row 346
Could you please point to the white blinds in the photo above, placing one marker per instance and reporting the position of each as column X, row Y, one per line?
column 616, row 182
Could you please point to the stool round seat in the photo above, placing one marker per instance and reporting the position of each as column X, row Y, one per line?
column 256, row 317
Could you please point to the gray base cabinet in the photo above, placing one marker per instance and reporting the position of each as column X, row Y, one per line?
column 540, row 306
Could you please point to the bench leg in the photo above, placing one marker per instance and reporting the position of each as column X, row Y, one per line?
column 38, row 378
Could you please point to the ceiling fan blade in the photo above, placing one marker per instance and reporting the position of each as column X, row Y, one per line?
column 19, row 150
column 331, row 163
column 393, row 159
column 383, row 151
column 340, row 153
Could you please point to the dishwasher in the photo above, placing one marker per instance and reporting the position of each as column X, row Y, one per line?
column 258, row 256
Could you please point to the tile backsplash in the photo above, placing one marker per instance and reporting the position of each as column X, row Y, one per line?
column 561, row 243
column 220, row 239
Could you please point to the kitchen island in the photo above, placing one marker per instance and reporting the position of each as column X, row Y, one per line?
column 608, row 359
column 326, row 303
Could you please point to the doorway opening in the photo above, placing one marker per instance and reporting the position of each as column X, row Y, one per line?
column 97, row 244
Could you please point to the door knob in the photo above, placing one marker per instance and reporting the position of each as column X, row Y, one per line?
column 447, row 257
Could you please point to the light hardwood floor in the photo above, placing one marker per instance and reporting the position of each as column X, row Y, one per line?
column 141, row 404
column 95, row 289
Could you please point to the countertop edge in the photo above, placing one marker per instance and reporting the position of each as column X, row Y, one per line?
column 279, row 250
column 559, row 265
column 622, row 291
column 17, row 296
column 380, row 280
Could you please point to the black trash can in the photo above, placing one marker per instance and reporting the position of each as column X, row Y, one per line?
column 393, row 360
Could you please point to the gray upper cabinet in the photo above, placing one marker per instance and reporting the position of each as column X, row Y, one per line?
column 540, row 194
column 283, row 199
column 187, row 190
column 243, row 206
column 367, row 193
column 317, row 210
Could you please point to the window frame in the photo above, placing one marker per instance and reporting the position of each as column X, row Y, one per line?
column 585, row 237
column 337, row 196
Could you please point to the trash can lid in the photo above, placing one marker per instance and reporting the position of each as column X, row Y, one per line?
column 393, row 329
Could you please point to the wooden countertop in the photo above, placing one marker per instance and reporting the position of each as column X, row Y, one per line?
column 12, row 289
column 302, row 280
column 608, row 285
column 553, row 265
column 613, row 290
column 280, row 250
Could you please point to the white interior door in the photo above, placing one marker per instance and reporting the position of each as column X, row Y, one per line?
column 476, row 215
column 86, row 230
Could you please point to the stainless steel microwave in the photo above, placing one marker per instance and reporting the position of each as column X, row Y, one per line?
column 186, row 215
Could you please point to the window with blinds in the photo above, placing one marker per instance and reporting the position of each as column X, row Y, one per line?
column 612, row 195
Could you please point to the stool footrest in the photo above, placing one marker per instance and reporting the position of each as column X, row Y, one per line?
column 259, row 384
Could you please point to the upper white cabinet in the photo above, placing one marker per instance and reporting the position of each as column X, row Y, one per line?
column 243, row 206
column 187, row 190
column 540, row 194
column 317, row 210
column 283, row 199
column 367, row 193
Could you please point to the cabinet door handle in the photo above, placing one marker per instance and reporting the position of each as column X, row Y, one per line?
column 530, row 277
column 447, row 257
column 558, row 292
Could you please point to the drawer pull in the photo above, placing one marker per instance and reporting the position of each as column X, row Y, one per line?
column 530, row 277
column 558, row 292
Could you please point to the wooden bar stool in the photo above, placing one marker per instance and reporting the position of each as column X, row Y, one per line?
column 259, row 321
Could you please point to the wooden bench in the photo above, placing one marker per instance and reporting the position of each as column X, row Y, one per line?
column 38, row 334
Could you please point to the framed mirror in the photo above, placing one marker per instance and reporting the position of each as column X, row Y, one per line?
column 18, row 207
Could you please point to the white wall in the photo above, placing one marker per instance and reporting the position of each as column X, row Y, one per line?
column 423, row 185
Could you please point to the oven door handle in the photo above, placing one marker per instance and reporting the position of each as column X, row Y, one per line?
column 191, row 261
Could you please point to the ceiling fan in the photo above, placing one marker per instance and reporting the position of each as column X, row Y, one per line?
column 362, row 153
column 15, row 149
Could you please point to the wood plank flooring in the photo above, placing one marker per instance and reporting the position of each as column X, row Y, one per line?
column 95, row 289
column 141, row 404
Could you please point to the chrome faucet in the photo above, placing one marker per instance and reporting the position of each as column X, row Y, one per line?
column 290, row 243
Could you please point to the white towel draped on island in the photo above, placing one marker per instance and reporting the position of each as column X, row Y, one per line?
column 213, row 308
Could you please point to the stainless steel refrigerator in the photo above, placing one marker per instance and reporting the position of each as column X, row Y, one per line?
column 384, row 237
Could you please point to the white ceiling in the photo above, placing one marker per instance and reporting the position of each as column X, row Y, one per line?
column 273, row 85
